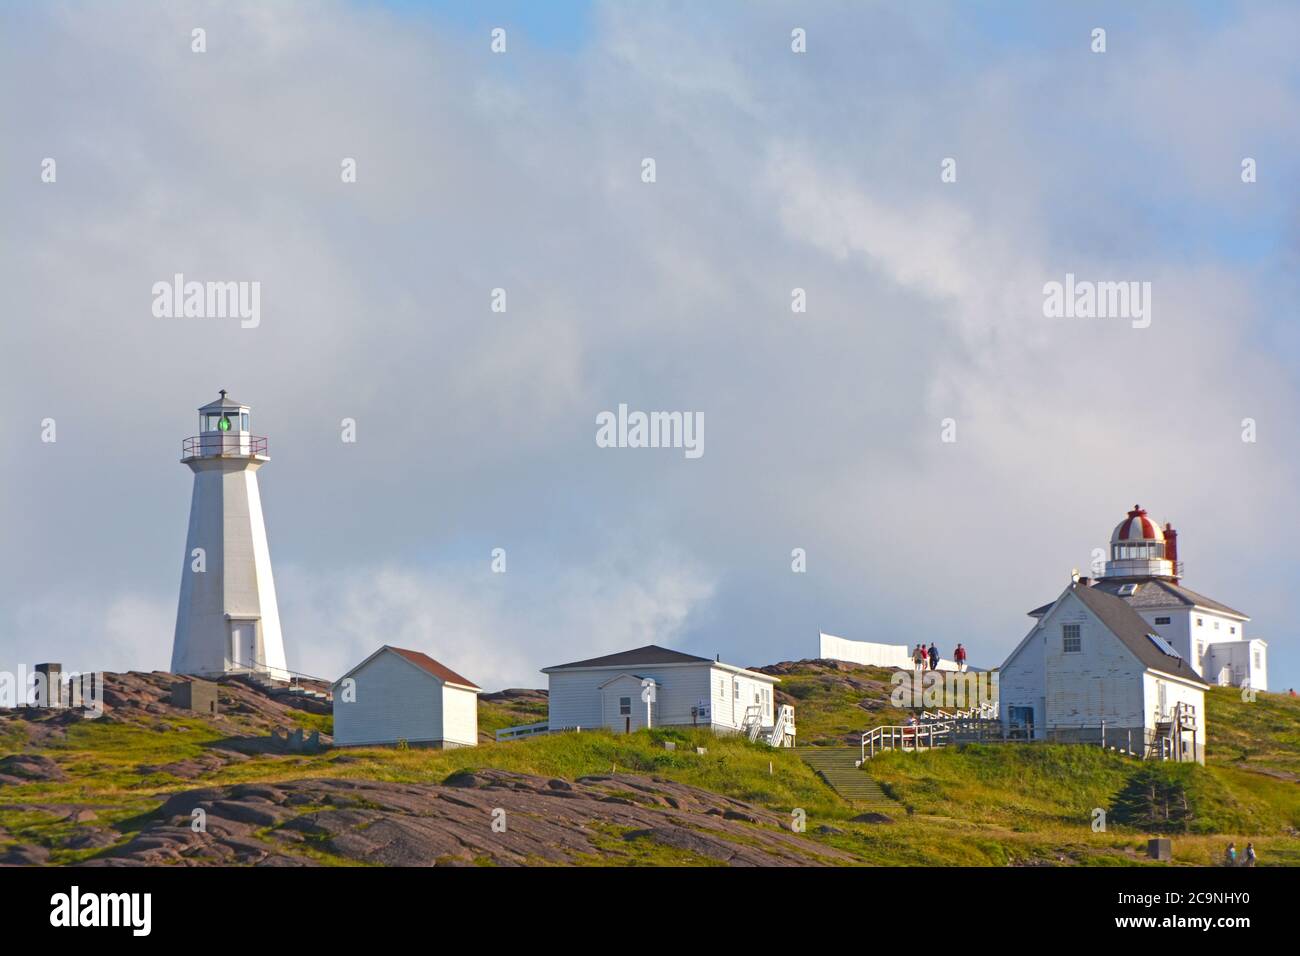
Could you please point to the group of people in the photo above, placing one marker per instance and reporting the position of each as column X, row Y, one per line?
column 1230, row 857
column 923, row 658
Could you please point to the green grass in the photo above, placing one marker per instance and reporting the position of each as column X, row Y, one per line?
column 324, row 723
column 1263, row 734
column 497, row 715
column 828, row 705
column 990, row 804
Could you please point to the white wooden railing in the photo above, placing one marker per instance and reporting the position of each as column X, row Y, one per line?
column 783, row 731
column 532, row 730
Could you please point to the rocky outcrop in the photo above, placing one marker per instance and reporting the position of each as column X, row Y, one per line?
column 489, row 816
column 29, row 768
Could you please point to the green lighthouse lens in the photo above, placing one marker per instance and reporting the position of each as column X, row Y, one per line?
column 224, row 424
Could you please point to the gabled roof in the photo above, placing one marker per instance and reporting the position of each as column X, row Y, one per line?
column 1155, row 594
column 1159, row 593
column 1127, row 625
column 422, row 661
column 650, row 654
column 1040, row 611
column 440, row 671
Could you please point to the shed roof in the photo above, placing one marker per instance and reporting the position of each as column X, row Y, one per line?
column 422, row 661
column 650, row 654
column 653, row 655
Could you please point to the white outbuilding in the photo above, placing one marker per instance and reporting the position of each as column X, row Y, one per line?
column 653, row 686
column 1093, row 670
column 397, row 695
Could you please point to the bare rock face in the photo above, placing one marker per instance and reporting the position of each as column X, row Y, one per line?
column 490, row 816
column 248, row 712
column 517, row 695
column 29, row 768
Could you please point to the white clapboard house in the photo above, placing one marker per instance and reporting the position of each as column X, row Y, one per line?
column 1093, row 670
column 398, row 695
column 656, row 687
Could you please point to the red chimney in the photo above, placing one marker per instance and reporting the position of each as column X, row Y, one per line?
column 1171, row 548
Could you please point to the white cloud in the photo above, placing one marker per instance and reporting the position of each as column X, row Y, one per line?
column 819, row 171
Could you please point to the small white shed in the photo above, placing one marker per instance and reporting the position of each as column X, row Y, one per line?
column 397, row 695
column 655, row 687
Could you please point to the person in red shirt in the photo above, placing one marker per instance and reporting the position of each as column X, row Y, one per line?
column 959, row 656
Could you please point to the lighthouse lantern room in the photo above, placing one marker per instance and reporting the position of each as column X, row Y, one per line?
column 227, row 620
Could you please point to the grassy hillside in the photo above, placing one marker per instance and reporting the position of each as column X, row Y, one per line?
column 990, row 804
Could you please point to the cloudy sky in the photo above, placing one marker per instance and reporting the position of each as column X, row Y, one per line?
column 523, row 171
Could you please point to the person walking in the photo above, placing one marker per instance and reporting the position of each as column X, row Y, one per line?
column 959, row 656
column 1250, row 854
column 1230, row 855
column 934, row 656
column 918, row 658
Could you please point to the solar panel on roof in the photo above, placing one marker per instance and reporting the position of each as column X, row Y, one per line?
column 1164, row 646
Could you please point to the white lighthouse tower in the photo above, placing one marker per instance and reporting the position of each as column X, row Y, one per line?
column 227, row 621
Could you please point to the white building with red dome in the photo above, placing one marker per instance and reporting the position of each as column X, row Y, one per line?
column 1124, row 659
column 1145, row 571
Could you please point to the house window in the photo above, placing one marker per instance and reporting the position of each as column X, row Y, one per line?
column 767, row 699
column 1200, row 622
column 1162, row 620
column 1071, row 640
column 624, row 706
column 1200, row 651
column 1258, row 661
column 1232, row 630
column 736, row 690
column 1216, row 625
column 722, row 687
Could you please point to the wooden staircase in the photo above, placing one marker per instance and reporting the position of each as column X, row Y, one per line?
column 838, row 767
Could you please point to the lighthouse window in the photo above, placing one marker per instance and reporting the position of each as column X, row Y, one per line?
column 1071, row 640
column 243, row 421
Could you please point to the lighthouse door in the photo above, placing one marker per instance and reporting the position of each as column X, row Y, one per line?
column 243, row 643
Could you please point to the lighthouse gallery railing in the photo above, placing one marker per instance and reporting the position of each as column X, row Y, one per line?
column 223, row 444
